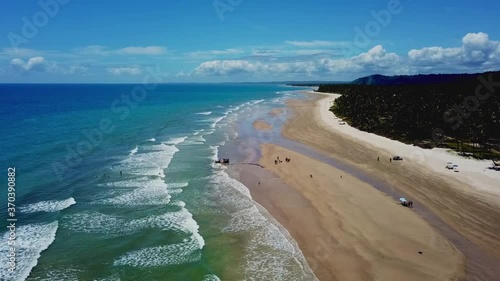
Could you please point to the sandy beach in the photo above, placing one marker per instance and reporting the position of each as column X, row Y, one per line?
column 467, row 216
column 348, row 230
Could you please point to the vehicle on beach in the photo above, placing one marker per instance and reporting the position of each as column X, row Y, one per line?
column 341, row 123
column 405, row 202
column 496, row 165
column 449, row 166
column 397, row 158
column 222, row 161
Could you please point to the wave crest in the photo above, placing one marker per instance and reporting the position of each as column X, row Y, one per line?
column 48, row 206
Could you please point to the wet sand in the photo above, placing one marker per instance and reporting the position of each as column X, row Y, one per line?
column 262, row 125
column 276, row 111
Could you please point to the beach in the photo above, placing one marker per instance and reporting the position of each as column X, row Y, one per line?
column 455, row 223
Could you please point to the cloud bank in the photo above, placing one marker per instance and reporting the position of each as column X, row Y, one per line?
column 477, row 53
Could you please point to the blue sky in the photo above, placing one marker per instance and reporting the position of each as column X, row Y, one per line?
column 243, row 40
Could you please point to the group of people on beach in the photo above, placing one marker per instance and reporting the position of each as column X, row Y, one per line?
column 277, row 161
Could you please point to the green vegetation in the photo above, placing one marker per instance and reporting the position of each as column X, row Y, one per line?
column 463, row 115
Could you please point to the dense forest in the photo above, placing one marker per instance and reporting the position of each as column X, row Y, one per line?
column 420, row 79
column 463, row 115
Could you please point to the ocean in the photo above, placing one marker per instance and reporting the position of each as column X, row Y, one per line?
column 118, row 182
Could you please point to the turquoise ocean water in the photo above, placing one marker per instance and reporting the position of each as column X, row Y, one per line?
column 118, row 184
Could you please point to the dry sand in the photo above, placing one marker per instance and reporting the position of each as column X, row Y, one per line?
column 347, row 229
column 473, row 217
column 262, row 125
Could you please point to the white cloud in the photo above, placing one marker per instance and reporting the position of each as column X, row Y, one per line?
column 149, row 50
column 93, row 50
column 131, row 50
column 375, row 59
column 215, row 52
column 477, row 50
column 19, row 52
column 78, row 70
column 34, row 64
column 124, row 70
column 315, row 44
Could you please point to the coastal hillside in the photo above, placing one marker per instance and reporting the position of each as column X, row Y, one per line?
column 463, row 114
column 420, row 79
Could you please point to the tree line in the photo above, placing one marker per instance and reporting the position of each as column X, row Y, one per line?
column 464, row 115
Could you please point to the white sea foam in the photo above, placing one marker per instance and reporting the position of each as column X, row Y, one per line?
column 245, row 219
column 211, row 277
column 215, row 151
column 110, row 278
column 209, row 132
column 197, row 132
column 48, row 206
column 177, row 185
column 176, row 188
column 176, row 141
column 31, row 241
column 256, row 102
column 181, row 204
column 152, row 161
column 94, row 222
column 204, row 113
column 148, row 192
column 215, row 121
column 53, row 273
column 197, row 139
column 185, row 252
column 174, row 254
column 222, row 177
column 134, row 151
